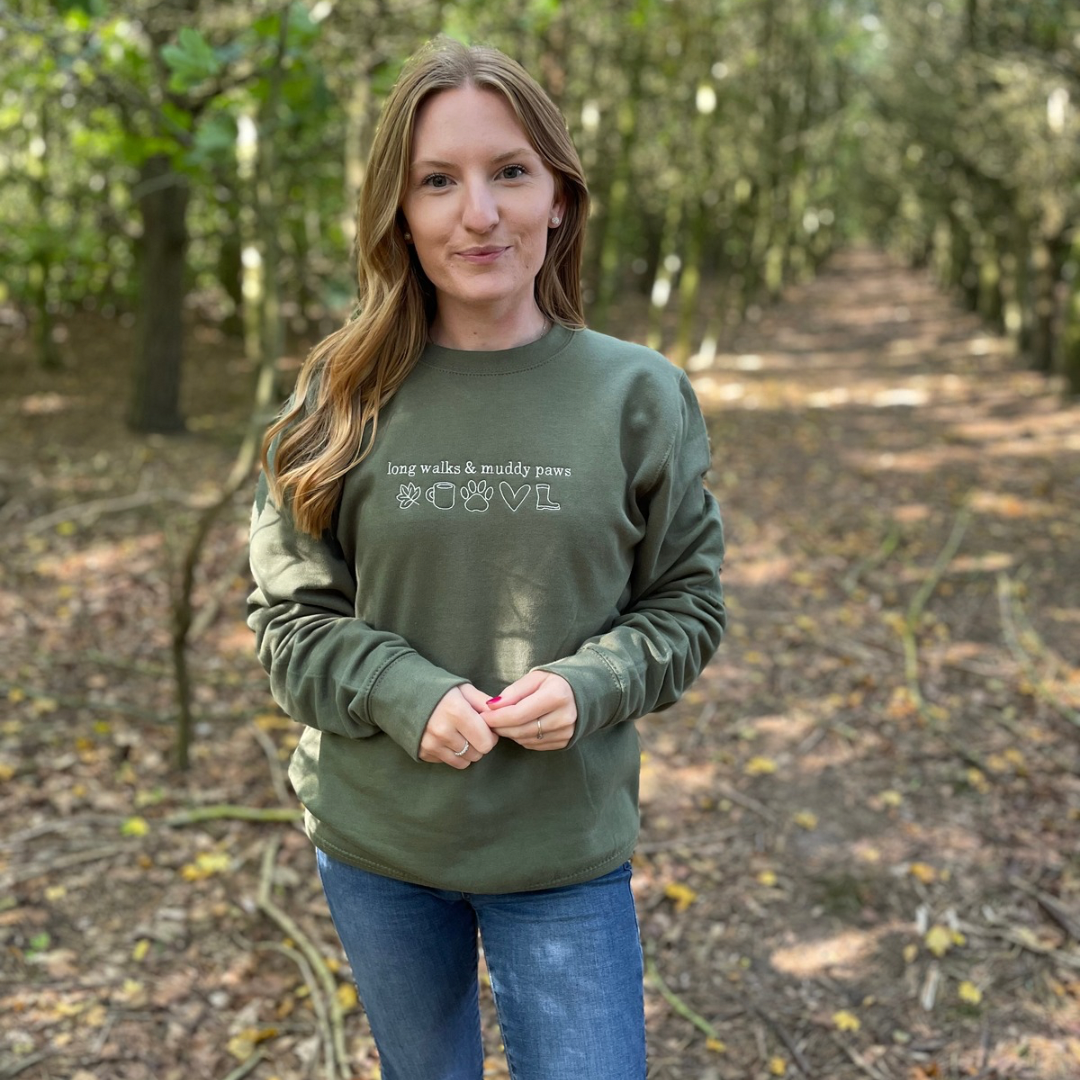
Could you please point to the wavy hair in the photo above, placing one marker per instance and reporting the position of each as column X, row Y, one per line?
column 353, row 372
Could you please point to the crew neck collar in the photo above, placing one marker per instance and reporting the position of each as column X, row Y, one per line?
column 498, row 361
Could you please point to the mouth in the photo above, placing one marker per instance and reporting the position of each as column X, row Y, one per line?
column 487, row 253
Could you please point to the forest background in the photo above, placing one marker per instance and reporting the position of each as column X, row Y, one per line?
column 857, row 224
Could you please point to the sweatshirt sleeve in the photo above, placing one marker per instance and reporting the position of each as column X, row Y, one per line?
column 675, row 617
column 328, row 668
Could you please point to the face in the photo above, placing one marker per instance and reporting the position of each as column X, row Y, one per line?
column 479, row 203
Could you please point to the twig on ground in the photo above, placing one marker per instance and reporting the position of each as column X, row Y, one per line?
column 725, row 792
column 1050, row 904
column 245, row 1067
column 277, row 777
column 27, row 1063
column 652, row 975
column 69, row 702
column 857, row 1059
column 26, row 873
column 338, row 1059
column 208, row 612
column 782, row 1034
column 97, row 507
column 1011, row 610
column 1026, row 941
column 227, row 811
column 888, row 545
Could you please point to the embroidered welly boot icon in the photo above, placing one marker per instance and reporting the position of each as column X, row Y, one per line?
column 543, row 498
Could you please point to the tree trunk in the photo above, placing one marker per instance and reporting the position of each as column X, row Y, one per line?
column 1042, row 323
column 163, row 199
column 1070, row 334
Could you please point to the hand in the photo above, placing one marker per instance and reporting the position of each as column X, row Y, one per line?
column 455, row 721
column 537, row 712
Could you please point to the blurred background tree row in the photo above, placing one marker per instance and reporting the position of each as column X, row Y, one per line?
column 168, row 159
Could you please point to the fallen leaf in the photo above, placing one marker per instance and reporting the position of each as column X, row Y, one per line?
column 759, row 766
column 846, row 1021
column 939, row 940
column 969, row 992
column 682, row 895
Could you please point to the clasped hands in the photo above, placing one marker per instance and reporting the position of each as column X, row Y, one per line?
column 537, row 712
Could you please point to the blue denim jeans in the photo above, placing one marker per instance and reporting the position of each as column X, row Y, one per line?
column 565, row 968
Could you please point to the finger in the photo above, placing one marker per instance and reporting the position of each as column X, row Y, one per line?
column 540, row 732
column 528, row 684
column 543, row 702
column 476, row 698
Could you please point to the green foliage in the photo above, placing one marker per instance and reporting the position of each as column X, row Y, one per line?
column 738, row 141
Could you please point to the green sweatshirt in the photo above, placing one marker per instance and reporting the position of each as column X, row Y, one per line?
column 538, row 507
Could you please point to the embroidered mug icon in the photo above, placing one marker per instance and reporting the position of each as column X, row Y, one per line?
column 441, row 495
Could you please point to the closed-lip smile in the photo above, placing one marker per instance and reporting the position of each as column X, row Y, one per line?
column 480, row 252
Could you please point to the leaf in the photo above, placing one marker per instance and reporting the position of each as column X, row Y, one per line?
column 777, row 1066
column 923, row 872
column 969, row 992
column 142, row 947
column 767, row 878
column 846, row 1021
column 206, row 864
column 939, row 940
column 759, row 766
column 134, row 826
column 682, row 895
column 805, row 819
column 717, row 1046
column 346, row 996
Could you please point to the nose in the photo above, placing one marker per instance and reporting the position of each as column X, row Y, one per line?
column 480, row 213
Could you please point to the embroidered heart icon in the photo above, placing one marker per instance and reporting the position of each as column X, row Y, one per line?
column 513, row 498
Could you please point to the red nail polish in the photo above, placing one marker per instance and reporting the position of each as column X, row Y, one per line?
column 490, row 700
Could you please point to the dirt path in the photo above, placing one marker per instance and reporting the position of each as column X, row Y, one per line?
column 861, row 844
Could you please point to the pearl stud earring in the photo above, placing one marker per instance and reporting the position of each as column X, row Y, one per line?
column 555, row 221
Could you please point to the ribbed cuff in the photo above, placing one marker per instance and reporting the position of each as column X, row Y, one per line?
column 597, row 687
column 404, row 696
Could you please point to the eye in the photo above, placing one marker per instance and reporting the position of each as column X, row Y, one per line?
column 436, row 180
column 512, row 172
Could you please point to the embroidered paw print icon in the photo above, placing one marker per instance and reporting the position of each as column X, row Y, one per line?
column 476, row 495
column 408, row 495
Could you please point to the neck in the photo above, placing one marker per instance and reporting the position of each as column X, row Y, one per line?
column 467, row 332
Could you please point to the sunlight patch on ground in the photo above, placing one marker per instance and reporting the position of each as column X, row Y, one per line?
column 839, row 956
column 758, row 572
column 1010, row 506
column 926, row 460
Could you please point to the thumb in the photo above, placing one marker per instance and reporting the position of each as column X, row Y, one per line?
column 476, row 698
column 528, row 684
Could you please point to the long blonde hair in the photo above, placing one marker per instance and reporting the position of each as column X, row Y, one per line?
column 354, row 371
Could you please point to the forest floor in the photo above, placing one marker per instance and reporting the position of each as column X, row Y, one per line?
column 860, row 854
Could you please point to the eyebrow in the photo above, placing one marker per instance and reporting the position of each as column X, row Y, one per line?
column 435, row 163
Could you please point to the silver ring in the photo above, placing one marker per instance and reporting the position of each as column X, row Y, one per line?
column 539, row 731
column 463, row 751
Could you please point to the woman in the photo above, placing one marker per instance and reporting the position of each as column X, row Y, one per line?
column 482, row 548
